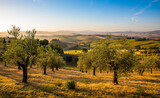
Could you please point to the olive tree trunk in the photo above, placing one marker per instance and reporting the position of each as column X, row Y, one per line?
column 86, row 70
column 5, row 65
column 115, row 76
column 24, row 67
column 100, row 70
column 19, row 67
column 24, row 74
column 44, row 70
column 82, row 70
column 53, row 69
column 56, row 67
column 94, row 71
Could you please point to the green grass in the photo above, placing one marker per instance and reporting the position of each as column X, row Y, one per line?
column 133, row 42
column 71, row 67
column 147, row 43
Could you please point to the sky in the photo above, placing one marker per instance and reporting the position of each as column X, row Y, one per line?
column 80, row 15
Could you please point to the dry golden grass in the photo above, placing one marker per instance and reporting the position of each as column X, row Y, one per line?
column 86, row 85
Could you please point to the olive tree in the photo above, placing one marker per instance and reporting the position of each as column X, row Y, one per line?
column 15, row 33
column 117, row 57
column 87, row 61
column 43, row 58
column 21, row 50
column 55, row 60
column 147, row 62
column 84, row 62
column 60, row 62
column 90, row 61
column 152, row 62
column 49, row 58
column 80, row 63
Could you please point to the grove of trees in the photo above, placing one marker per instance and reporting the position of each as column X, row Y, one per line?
column 24, row 50
column 118, row 57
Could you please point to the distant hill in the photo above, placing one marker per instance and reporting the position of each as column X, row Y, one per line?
column 148, row 34
column 89, row 34
column 71, row 39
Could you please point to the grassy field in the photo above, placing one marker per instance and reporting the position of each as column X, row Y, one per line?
column 86, row 85
column 142, row 44
column 147, row 43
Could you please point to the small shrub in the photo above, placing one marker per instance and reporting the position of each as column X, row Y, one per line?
column 140, row 90
column 59, row 84
column 70, row 84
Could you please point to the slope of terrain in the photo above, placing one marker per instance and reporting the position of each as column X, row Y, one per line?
column 86, row 85
column 71, row 39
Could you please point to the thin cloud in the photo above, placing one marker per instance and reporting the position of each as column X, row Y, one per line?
column 142, row 10
column 135, row 16
column 134, row 19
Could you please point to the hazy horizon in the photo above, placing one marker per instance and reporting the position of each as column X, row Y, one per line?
column 80, row 15
column 83, row 31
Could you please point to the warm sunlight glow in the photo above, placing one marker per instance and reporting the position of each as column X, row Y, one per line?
column 79, row 15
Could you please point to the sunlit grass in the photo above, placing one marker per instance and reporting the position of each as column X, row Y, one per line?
column 53, row 84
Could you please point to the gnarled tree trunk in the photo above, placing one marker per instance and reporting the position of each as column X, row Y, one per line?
column 24, row 74
column 115, row 77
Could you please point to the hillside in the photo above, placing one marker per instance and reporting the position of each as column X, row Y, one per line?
column 87, row 85
column 70, row 39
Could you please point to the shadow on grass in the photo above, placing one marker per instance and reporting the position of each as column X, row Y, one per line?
column 156, row 76
column 10, row 74
column 146, row 80
column 90, row 92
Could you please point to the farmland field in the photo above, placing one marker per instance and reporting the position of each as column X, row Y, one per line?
column 73, row 52
column 87, row 85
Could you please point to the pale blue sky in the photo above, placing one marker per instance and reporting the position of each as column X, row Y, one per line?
column 78, row 15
